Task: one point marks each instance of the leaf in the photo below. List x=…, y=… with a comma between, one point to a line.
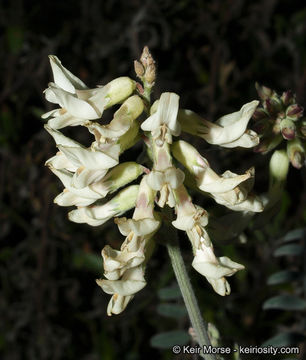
x=89, y=261
x=285, y=302
x=167, y=340
x=172, y=310
x=282, y=277
x=285, y=339
x=294, y=235
x=170, y=293
x=289, y=250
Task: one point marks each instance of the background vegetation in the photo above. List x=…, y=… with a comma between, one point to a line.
x=209, y=52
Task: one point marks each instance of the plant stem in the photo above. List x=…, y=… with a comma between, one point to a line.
x=188, y=295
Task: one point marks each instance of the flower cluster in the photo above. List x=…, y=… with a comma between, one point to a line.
x=280, y=118
x=91, y=175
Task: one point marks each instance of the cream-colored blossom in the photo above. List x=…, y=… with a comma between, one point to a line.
x=193, y=219
x=130, y=110
x=124, y=269
x=229, y=131
x=164, y=182
x=117, y=177
x=98, y=214
x=90, y=165
x=79, y=104
x=163, y=123
x=229, y=189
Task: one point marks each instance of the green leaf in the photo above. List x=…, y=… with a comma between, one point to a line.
x=15, y=38
x=89, y=261
x=172, y=310
x=285, y=302
x=170, y=293
x=285, y=339
x=294, y=235
x=168, y=339
x=289, y=250
x=282, y=277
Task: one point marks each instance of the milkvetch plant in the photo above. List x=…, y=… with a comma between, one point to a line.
x=91, y=175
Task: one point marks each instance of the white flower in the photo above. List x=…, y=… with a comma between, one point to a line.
x=78, y=103
x=164, y=182
x=98, y=214
x=163, y=123
x=193, y=219
x=119, y=176
x=132, y=252
x=229, y=131
x=215, y=269
x=123, y=290
x=90, y=165
x=229, y=189
x=123, y=119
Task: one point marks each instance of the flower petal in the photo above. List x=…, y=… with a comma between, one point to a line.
x=63, y=77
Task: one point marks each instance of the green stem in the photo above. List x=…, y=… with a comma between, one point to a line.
x=188, y=295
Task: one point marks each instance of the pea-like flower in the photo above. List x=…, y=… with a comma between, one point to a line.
x=163, y=123
x=79, y=104
x=193, y=219
x=229, y=131
x=229, y=189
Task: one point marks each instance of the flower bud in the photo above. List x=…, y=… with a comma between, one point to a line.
x=303, y=128
x=150, y=74
x=279, y=165
x=260, y=114
x=294, y=112
x=146, y=57
x=296, y=153
x=139, y=69
x=119, y=89
x=263, y=91
x=268, y=144
x=272, y=106
x=288, y=98
x=288, y=129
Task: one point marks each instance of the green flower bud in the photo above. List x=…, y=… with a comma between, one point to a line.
x=268, y=144
x=296, y=153
x=294, y=112
x=288, y=129
x=288, y=98
x=119, y=89
x=263, y=91
x=279, y=165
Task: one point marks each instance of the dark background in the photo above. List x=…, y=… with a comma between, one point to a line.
x=210, y=53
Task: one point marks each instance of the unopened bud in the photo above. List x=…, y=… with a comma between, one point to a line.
x=120, y=89
x=272, y=106
x=287, y=128
x=150, y=74
x=139, y=69
x=146, y=57
x=146, y=67
x=296, y=153
x=260, y=114
x=288, y=98
x=303, y=128
x=279, y=165
x=263, y=91
x=294, y=112
x=268, y=144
